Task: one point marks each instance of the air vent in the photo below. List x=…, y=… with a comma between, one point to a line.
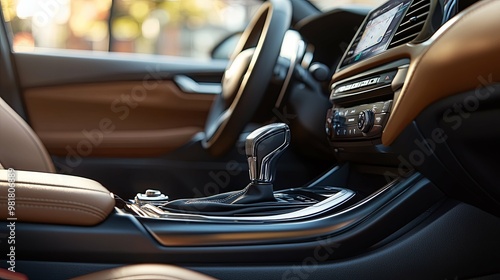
x=412, y=23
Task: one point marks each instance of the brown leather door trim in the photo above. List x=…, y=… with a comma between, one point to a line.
x=119, y=143
x=137, y=118
x=464, y=55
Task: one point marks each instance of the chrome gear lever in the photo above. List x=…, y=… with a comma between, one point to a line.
x=263, y=148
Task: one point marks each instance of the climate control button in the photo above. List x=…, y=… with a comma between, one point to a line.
x=365, y=120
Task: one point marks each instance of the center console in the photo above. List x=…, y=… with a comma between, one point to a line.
x=341, y=200
x=257, y=202
x=362, y=103
x=364, y=92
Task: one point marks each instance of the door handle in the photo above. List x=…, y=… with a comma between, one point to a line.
x=188, y=85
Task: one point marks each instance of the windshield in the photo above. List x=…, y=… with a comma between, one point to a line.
x=326, y=5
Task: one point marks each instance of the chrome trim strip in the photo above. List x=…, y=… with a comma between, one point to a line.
x=334, y=96
x=342, y=196
x=294, y=59
x=308, y=57
x=189, y=85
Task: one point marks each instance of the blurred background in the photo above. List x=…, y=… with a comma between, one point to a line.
x=170, y=27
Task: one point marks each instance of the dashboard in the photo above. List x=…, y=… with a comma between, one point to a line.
x=371, y=71
x=393, y=93
x=364, y=102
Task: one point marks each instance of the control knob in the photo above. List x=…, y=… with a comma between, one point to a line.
x=366, y=120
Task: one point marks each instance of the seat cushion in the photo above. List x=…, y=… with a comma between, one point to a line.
x=146, y=271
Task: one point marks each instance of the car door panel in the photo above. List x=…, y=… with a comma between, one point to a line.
x=113, y=105
x=115, y=119
x=120, y=111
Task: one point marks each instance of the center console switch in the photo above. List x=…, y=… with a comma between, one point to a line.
x=357, y=122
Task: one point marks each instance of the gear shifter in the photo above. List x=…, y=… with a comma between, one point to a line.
x=263, y=148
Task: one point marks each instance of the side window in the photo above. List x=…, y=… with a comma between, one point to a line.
x=184, y=28
x=170, y=27
x=61, y=24
x=327, y=5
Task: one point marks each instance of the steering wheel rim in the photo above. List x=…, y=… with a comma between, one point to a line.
x=247, y=76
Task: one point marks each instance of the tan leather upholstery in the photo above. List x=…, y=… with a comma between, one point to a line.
x=463, y=55
x=146, y=271
x=20, y=148
x=59, y=199
x=7, y=274
x=132, y=272
x=53, y=198
x=93, y=120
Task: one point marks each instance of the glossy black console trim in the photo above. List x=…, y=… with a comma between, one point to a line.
x=122, y=239
x=175, y=232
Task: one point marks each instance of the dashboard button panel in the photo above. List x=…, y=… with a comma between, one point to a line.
x=357, y=123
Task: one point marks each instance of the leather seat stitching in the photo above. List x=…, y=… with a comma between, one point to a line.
x=88, y=206
x=98, y=215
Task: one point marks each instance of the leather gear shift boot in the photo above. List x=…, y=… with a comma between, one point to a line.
x=253, y=198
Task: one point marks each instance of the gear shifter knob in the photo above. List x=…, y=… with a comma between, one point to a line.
x=263, y=148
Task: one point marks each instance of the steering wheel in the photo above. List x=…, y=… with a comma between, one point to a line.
x=247, y=76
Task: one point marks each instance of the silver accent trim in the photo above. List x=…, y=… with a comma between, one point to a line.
x=189, y=85
x=136, y=209
x=356, y=85
x=294, y=57
x=262, y=171
x=308, y=57
x=335, y=200
x=371, y=197
x=335, y=97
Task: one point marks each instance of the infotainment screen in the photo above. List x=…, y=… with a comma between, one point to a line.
x=377, y=31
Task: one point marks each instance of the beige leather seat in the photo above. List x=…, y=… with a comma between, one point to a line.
x=21, y=149
x=146, y=271
x=130, y=272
